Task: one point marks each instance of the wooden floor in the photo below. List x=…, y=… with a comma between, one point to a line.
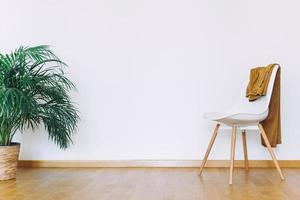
x=149, y=183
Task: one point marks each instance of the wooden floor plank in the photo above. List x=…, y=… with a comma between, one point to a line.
x=149, y=184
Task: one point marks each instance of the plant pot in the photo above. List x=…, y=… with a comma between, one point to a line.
x=9, y=156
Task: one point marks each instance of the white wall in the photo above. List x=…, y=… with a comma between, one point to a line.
x=147, y=70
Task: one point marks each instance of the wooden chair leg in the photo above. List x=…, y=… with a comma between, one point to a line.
x=212, y=140
x=233, y=140
x=265, y=138
x=245, y=149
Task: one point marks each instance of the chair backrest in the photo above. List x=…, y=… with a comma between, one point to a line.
x=259, y=106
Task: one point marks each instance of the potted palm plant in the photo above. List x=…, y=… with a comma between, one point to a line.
x=33, y=90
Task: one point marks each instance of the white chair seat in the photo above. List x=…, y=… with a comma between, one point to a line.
x=238, y=119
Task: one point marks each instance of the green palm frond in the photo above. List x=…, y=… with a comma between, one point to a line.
x=34, y=90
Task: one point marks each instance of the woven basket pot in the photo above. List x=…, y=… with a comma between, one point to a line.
x=9, y=156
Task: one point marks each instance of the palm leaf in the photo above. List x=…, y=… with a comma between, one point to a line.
x=35, y=90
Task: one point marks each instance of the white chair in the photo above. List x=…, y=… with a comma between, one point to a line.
x=242, y=115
